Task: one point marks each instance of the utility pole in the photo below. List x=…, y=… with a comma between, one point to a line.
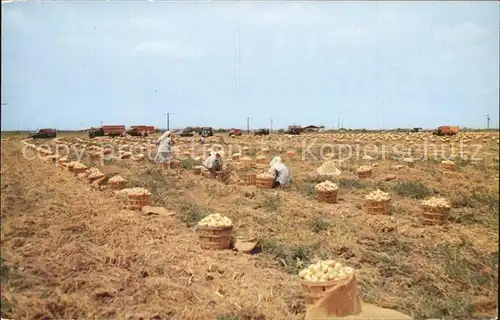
x=167, y=124
x=385, y=115
x=338, y=123
x=248, y=124
x=271, y=130
x=488, y=119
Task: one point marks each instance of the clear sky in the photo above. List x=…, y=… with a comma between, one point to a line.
x=373, y=64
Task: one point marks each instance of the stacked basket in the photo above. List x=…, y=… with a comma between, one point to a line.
x=137, y=198
x=377, y=202
x=364, y=172
x=327, y=192
x=215, y=232
x=435, y=211
x=261, y=160
x=247, y=162
x=264, y=180
x=249, y=178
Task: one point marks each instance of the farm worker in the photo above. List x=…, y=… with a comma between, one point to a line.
x=213, y=163
x=202, y=140
x=164, y=154
x=280, y=171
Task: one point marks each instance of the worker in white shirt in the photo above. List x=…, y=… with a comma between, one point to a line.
x=164, y=153
x=213, y=163
x=280, y=172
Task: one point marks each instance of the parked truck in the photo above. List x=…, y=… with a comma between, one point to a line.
x=44, y=134
x=446, y=131
x=108, y=130
x=294, y=130
x=207, y=132
x=143, y=131
x=235, y=132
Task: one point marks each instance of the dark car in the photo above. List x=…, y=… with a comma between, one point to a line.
x=186, y=133
x=262, y=132
x=44, y=134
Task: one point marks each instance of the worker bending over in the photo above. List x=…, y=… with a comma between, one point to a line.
x=280, y=172
x=164, y=154
x=213, y=163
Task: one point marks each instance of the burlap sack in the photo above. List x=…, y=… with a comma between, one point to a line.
x=342, y=302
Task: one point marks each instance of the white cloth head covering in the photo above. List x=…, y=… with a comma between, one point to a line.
x=164, y=135
x=275, y=160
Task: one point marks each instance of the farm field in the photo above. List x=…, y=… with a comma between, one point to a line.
x=70, y=250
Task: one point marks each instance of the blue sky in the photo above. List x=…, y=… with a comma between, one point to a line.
x=75, y=64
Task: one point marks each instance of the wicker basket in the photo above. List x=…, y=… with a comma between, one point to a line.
x=117, y=185
x=223, y=175
x=248, y=163
x=364, y=174
x=448, y=166
x=377, y=207
x=435, y=215
x=264, y=183
x=409, y=164
x=197, y=170
x=315, y=291
x=327, y=196
x=175, y=164
x=261, y=161
x=94, y=178
x=261, y=166
x=165, y=165
x=135, y=202
x=249, y=178
x=78, y=170
x=217, y=238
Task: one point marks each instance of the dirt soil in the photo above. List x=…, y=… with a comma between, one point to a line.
x=71, y=251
